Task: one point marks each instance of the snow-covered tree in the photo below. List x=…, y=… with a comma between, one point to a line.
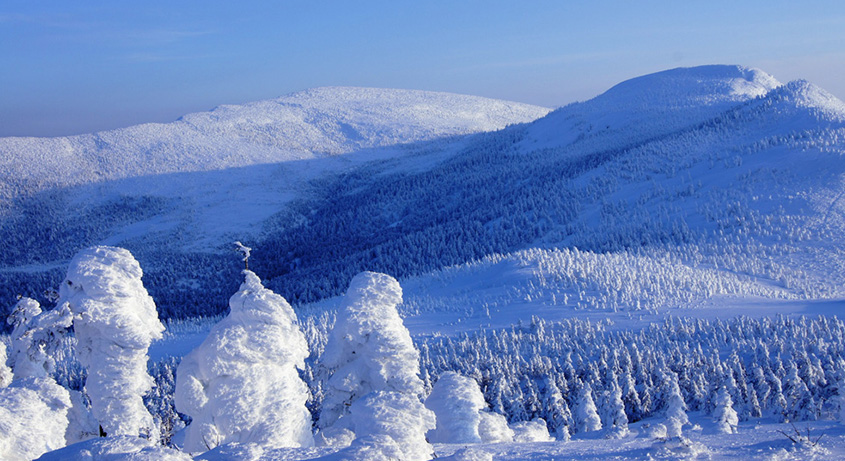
x=5, y=371
x=586, y=414
x=674, y=408
x=558, y=414
x=33, y=414
x=36, y=337
x=535, y=430
x=840, y=398
x=397, y=415
x=374, y=365
x=456, y=402
x=493, y=428
x=241, y=384
x=115, y=321
x=801, y=404
x=613, y=412
x=724, y=413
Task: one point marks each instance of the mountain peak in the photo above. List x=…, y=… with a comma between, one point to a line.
x=655, y=103
x=693, y=86
x=807, y=95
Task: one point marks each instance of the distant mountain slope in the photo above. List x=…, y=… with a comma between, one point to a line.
x=750, y=183
x=717, y=173
x=652, y=105
x=304, y=125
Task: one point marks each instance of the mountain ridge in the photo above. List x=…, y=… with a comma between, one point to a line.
x=326, y=121
x=748, y=183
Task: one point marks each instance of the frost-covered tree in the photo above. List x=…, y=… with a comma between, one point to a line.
x=535, y=430
x=613, y=412
x=840, y=399
x=724, y=413
x=456, y=402
x=375, y=369
x=115, y=321
x=5, y=371
x=36, y=337
x=493, y=428
x=558, y=414
x=369, y=348
x=586, y=414
x=399, y=416
x=674, y=408
x=241, y=384
x=33, y=414
x=801, y=405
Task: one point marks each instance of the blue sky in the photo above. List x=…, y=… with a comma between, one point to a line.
x=78, y=66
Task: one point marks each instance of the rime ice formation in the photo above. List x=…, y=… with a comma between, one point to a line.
x=115, y=321
x=241, y=384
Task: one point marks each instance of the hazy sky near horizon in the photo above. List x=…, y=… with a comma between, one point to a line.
x=71, y=67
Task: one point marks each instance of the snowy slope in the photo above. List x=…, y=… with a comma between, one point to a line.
x=750, y=184
x=308, y=124
x=720, y=169
x=652, y=105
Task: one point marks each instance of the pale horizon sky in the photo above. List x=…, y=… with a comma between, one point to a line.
x=84, y=66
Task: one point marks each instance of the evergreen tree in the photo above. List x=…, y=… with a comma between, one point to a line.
x=241, y=384
x=115, y=322
x=614, y=418
x=586, y=415
x=724, y=414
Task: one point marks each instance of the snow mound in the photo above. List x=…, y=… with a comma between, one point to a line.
x=114, y=448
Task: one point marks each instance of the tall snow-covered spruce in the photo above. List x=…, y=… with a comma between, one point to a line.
x=374, y=390
x=241, y=384
x=115, y=321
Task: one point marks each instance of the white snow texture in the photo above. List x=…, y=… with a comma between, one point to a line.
x=241, y=384
x=369, y=348
x=33, y=418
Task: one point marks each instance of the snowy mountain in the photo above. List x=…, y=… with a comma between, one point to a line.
x=305, y=125
x=194, y=184
x=749, y=185
x=719, y=174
